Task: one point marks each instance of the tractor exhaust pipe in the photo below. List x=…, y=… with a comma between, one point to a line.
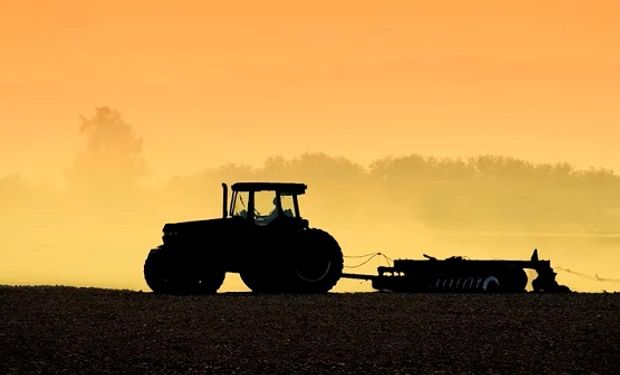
x=224, y=200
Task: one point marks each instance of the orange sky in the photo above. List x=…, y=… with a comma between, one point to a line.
x=205, y=83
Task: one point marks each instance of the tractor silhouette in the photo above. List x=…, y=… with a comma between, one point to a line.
x=263, y=237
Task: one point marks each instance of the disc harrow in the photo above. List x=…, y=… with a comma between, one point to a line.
x=460, y=275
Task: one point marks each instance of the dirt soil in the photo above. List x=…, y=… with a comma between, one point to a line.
x=71, y=330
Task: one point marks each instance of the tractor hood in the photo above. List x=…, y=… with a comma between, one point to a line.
x=192, y=226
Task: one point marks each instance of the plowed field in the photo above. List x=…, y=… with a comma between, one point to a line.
x=81, y=330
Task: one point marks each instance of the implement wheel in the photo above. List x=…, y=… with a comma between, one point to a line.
x=513, y=280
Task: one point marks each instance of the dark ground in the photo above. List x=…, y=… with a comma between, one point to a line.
x=70, y=330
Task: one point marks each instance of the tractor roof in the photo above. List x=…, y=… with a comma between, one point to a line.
x=282, y=187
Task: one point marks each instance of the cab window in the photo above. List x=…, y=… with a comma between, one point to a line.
x=265, y=207
x=240, y=203
x=288, y=206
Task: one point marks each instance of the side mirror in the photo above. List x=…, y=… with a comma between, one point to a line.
x=224, y=200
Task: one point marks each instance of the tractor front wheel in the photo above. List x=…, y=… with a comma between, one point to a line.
x=165, y=273
x=260, y=280
x=206, y=281
x=158, y=272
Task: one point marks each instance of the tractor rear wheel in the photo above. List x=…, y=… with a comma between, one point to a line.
x=315, y=268
x=318, y=264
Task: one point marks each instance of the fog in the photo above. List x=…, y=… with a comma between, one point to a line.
x=98, y=227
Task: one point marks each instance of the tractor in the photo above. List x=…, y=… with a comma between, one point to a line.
x=261, y=235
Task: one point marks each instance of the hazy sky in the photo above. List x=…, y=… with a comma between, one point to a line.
x=205, y=83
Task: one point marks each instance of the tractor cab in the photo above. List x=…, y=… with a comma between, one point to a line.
x=263, y=203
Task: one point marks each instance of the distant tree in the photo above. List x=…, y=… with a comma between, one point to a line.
x=112, y=157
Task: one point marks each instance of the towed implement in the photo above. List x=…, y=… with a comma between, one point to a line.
x=461, y=275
